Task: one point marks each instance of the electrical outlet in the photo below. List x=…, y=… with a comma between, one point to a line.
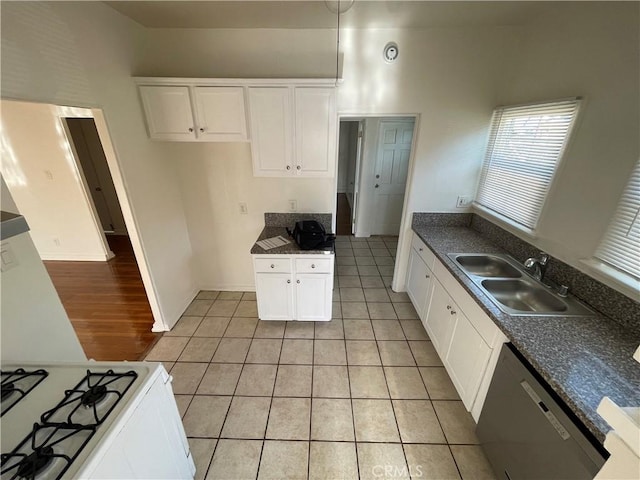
x=293, y=205
x=243, y=208
x=463, y=201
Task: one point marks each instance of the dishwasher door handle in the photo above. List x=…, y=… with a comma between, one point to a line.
x=551, y=418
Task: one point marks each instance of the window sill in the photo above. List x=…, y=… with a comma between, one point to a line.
x=504, y=222
x=624, y=283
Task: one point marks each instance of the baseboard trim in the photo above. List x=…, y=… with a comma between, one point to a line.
x=74, y=257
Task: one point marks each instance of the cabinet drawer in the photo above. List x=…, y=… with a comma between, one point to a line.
x=425, y=252
x=312, y=265
x=272, y=265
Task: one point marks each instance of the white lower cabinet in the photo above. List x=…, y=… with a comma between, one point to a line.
x=274, y=293
x=465, y=338
x=294, y=287
x=419, y=284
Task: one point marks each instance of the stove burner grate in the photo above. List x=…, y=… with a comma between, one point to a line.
x=37, y=452
x=94, y=395
x=16, y=384
x=35, y=463
x=99, y=393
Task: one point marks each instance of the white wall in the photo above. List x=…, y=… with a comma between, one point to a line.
x=6, y=203
x=83, y=54
x=215, y=178
x=589, y=50
x=44, y=181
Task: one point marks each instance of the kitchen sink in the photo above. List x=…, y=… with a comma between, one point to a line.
x=487, y=265
x=513, y=289
x=524, y=296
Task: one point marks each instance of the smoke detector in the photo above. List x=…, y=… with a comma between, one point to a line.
x=390, y=52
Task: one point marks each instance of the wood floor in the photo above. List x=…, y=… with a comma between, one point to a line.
x=106, y=303
x=343, y=216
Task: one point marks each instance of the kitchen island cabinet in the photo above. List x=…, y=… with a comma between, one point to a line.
x=292, y=284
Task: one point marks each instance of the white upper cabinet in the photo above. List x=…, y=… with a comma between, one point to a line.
x=168, y=112
x=220, y=114
x=188, y=113
x=293, y=131
x=271, y=131
x=315, y=131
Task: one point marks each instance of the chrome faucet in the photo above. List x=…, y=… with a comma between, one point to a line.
x=537, y=265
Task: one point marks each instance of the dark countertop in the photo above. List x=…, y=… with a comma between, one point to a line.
x=12, y=224
x=289, y=249
x=582, y=358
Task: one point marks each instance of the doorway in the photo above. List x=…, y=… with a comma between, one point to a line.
x=52, y=154
x=373, y=163
x=93, y=163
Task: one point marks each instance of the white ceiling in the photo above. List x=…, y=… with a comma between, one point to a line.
x=315, y=14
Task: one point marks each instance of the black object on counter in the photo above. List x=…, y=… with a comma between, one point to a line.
x=311, y=235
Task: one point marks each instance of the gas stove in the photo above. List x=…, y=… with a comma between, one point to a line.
x=68, y=420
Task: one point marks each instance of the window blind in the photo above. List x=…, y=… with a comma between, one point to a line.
x=620, y=246
x=525, y=144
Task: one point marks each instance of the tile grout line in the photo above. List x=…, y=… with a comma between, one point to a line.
x=353, y=417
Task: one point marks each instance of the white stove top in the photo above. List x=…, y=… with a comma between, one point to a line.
x=64, y=386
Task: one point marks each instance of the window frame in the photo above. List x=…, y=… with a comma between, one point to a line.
x=571, y=128
x=616, y=272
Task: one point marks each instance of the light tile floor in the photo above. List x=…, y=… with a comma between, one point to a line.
x=362, y=396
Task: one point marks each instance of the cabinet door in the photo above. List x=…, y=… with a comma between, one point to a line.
x=271, y=131
x=274, y=292
x=168, y=112
x=313, y=296
x=466, y=359
x=220, y=114
x=418, y=284
x=315, y=131
x=441, y=319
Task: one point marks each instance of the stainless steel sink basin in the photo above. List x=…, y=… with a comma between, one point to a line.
x=512, y=289
x=484, y=265
x=522, y=296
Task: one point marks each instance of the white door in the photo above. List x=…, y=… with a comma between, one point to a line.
x=356, y=182
x=220, y=114
x=271, y=131
x=316, y=124
x=168, y=112
x=392, y=165
x=313, y=296
x=274, y=293
x=418, y=283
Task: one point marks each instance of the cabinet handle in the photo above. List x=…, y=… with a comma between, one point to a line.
x=453, y=312
x=273, y=266
x=420, y=249
x=448, y=307
x=313, y=265
x=201, y=129
x=190, y=129
x=288, y=167
x=427, y=276
x=298, y=167
x=288, y=281
x=297, y=281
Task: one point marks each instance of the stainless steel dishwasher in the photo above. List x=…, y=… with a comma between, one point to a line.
x=527, y=434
